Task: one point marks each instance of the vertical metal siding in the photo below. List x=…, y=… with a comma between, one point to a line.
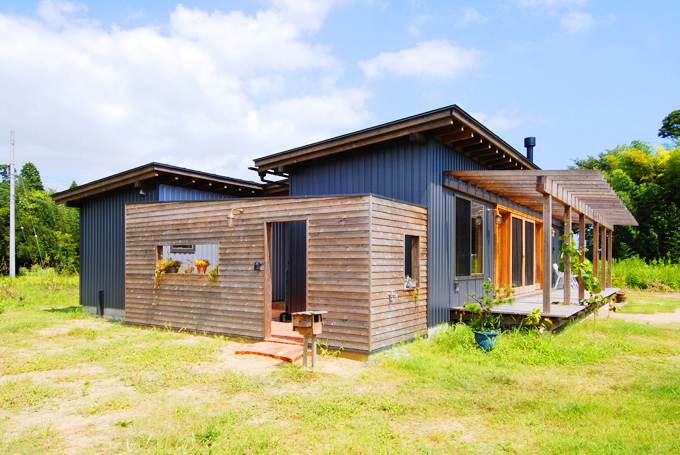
x=297, y=241
x=412, y=173
x=168, y=193
x=396, y=169
x=102, y=246
x=277, y=247
x=441, y=295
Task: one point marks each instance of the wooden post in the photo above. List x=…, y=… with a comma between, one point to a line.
x=609, y=260
x=603, y=259
x=305, y=341
x=582, y=257
x=596, y=247
x=547, y=240
x=567, y=264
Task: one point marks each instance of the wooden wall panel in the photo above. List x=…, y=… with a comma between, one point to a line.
x=354, y=258
x=404, y=318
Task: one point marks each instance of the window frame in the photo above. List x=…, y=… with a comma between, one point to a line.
x=470, y=249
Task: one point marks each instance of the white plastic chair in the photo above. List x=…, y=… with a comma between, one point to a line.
x=559, y=283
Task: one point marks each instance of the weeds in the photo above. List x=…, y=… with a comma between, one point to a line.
x=635, y=273
x=603, y=386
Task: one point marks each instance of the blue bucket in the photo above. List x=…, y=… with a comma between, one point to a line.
x=485, y=340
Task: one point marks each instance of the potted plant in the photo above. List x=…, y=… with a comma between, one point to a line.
x=163, y=267
x=167, y=266
x=410, y=283
x=620, y=296
x=201, y=265
x=486, y=325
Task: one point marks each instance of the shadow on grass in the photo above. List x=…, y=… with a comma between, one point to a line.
x=68, y=309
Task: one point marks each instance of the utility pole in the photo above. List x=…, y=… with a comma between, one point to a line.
x=12, y=248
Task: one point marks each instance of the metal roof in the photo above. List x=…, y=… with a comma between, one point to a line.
x=450, y=125
x=585, y=190
x=166, y=174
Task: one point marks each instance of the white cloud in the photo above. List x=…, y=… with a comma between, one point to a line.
x=212, y=92
x=60, y=14
x=551, y=3
x=503, y=120
x=578, y=22
x=419, y=21
x=471, y=15
x=429, y=59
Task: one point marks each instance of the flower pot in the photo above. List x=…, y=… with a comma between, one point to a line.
x=620, y=297
x=172, y=269
x=201, y=268
x=485, y=340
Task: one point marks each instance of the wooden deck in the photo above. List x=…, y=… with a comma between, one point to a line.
x=526, y=303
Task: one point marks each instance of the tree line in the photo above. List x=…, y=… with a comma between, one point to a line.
x=647, y=179
x=47, y=235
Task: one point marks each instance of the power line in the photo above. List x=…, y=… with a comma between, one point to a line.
x=30, y=214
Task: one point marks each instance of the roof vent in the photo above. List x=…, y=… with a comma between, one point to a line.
x=530, y=143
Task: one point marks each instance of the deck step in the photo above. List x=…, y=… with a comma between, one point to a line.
x=288, y=352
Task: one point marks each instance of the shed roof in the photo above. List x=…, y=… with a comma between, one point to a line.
x=141, y=176
x=451, y=125
x=585, y=190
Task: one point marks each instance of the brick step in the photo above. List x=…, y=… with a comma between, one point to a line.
x=276, y=350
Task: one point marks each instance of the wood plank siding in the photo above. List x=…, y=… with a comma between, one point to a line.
x=355, y=252
x=405, y=317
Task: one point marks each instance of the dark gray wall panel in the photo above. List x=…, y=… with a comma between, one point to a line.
x=102, y=246
x=277, y=246
x=407, y=172
x=397, y=169
x=441, y=293
x=168, y=193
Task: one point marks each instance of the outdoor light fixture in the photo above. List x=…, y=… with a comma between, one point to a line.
x=497, y=217
x=231, y=218
x=552, y=232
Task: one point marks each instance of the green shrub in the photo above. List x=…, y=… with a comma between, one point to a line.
x=635, y=273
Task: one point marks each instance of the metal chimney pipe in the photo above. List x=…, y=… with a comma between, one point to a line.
x=530, y=143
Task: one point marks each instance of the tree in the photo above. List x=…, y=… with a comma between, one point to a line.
x=31, y=176
x=670, y=127
x=647, y=179
x=56, y=227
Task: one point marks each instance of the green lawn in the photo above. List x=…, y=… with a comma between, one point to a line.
x=651, y=303
x=69, y=382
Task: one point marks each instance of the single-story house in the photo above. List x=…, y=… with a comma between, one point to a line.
x=387, y=229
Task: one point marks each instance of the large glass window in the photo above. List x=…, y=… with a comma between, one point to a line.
x=522, y=252
x=528, y=253
x=469, y=237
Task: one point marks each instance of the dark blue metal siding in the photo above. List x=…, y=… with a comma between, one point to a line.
x=102, y=246
x=168, y=193
x=441, y=294
x=412, y=173
x=396, y=169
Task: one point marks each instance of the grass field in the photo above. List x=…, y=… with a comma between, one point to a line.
x=70, y=383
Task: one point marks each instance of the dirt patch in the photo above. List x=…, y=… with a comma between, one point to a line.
x=65, y=327
x=658, y=318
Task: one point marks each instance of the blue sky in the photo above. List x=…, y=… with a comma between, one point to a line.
x=98, y=87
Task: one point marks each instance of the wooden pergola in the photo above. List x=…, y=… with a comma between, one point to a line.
x=573, y=196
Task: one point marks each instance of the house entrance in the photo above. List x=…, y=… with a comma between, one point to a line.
x=286, y=275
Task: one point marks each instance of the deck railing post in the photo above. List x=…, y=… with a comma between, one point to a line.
x=567, y=264
x=544, y=185
x=603, y=259
x=609, y=254
x=582, y=257
x=596, y=247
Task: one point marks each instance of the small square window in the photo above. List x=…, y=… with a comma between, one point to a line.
x=183, y=249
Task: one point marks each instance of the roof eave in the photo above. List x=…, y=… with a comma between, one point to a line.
x=428, y=121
